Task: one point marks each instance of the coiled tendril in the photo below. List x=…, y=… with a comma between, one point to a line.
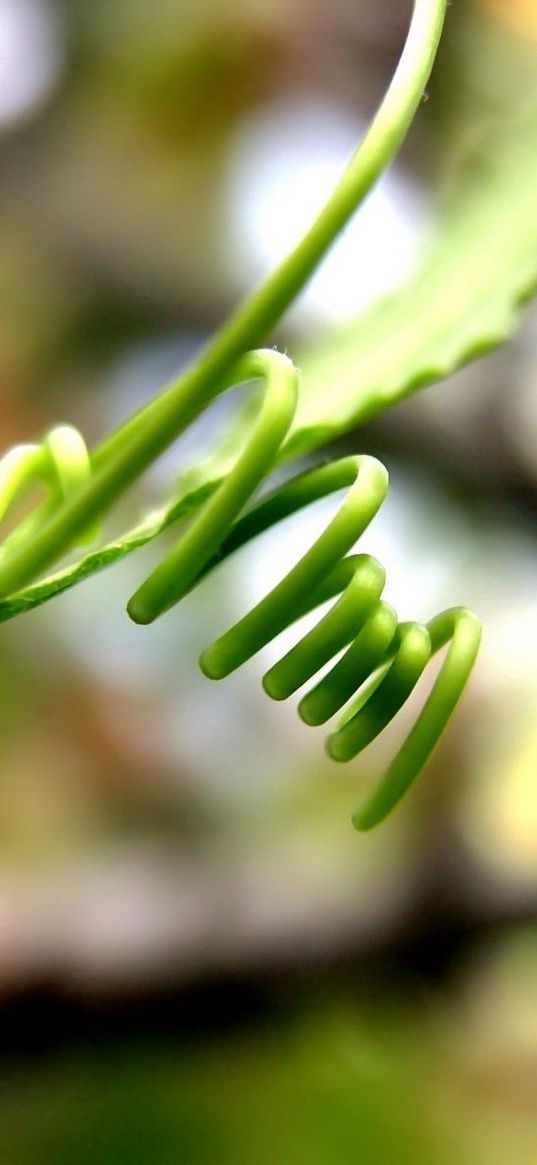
x=60, y=463
x=383, y=659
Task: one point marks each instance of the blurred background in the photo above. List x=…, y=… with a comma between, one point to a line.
x=200, y=961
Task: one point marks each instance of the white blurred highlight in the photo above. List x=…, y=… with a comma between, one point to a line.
x=284, y=164
x=30, y=57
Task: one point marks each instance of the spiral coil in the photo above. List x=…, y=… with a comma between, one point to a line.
x=382, y=659
x=61, y=464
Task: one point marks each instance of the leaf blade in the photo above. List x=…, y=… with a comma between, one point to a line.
x=464, y=299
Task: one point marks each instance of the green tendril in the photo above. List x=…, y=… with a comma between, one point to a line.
x=126, y=454
x=382, y=659
x=61, y=463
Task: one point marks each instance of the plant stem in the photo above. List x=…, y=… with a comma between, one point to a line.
x=249, y=326
x=125, y=454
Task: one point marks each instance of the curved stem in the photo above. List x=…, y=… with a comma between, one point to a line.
x=255, y=318
x=124, y=455
x=182, y=566
x=462, y=629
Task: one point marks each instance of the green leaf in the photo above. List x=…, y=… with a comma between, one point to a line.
x=68, y=576
x=463, y=300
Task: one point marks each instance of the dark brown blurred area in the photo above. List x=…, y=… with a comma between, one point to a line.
x=200, y=961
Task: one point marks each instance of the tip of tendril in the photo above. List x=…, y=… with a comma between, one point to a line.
x=210, y=666
x=364, y=821
x=308, y=714
x=336, y=749
x=138, y=612
x=273, y=688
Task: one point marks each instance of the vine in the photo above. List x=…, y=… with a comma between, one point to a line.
x=383, y=659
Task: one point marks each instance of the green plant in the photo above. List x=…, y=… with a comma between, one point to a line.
x=395, y=353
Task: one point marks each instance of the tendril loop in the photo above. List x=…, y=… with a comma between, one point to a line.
x=383, y=659
x=379, y=660
x=60, y=464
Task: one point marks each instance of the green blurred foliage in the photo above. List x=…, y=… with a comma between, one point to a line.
x=325, y=1092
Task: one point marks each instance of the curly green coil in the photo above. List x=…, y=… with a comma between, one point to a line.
x=383, y=660
x=61, y=464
